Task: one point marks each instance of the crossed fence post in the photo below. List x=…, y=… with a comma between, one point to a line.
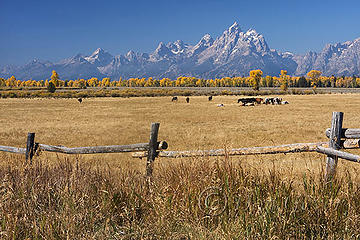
x=153, y=146
x=334, y=143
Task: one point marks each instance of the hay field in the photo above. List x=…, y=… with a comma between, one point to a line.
x=197, y=125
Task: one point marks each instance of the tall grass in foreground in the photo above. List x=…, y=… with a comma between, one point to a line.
x=70, y=199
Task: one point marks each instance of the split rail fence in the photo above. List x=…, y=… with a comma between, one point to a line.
x=339, y=138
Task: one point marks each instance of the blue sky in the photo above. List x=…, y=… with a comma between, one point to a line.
x=53, y=30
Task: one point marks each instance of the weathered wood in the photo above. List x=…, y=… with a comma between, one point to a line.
x=334, y=143
x=152, y=148
x=29, y=153
x=88, y=150
x=350, y=133
x=288, y=148
x=12, y=149
x=339, y=154
x=350, y=143
x=96, y=149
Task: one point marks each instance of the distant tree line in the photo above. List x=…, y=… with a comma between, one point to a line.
x=255, y=80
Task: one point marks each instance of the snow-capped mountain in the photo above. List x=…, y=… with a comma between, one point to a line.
x=234, y=53
x=99, y=58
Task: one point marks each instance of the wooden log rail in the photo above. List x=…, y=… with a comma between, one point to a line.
x=340, y=154
x=12, y=149
x=89, y=150
x=349, y=133
x=288, y=148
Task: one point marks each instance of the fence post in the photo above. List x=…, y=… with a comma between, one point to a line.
x=30, y=147
x=335, y=142
x=152, y=148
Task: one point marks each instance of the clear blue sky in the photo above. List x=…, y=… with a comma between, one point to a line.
x=53, y=30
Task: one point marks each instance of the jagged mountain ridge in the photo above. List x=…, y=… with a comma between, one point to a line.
x=234, y=53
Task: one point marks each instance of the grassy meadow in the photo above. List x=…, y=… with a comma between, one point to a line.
x=105, y=196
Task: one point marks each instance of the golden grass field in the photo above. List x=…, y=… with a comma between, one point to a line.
x=197, y=125
x=106, y=196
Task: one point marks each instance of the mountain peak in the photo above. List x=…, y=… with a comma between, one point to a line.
x=179, y=42
x=207, y=38
x=131, y=55
x=162, y=50
x=234, y=28
x=161, y=45
x=99, y=57
x=98, y=50
x=251, y=32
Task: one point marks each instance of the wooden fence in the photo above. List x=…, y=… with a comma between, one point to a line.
x=339, y=138
x=152, y=147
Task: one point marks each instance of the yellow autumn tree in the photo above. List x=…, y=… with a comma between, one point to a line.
x=2, y=82
x=55, y=78
x=105, y=82
x=255, y=77
x=10, y=82
x=284, y=80
x=314, y=75
x=92, y=82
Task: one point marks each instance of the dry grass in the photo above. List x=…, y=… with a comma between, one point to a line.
x=70, y=199
x=85, y=184
x=198, y=125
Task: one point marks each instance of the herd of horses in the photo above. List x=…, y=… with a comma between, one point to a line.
x=253, y=101
x=243, y=101
x=246, y=101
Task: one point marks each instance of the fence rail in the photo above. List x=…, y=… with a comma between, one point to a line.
x=288, y=148
x=349, y=133
x=13, y=149
x=87, y=150
x=339, y=138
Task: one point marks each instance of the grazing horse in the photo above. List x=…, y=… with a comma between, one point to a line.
x=273, y=101
x=268, y=101
x=174, y=99
x=277, y=100
x=258, y=100
x=245, y=101
x=187, y=99
x=80, y=100
x=210, y=98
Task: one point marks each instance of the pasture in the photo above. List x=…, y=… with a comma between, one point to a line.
x=199, y=124
x=104, y=196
